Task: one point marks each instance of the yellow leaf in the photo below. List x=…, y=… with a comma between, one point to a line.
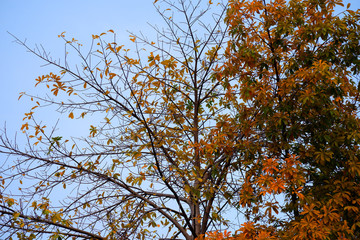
x=25, y=126
x=112, y=75
x=16, y=215
x=71, y=115
x=20, y=95
x=110, y=141
x=62, y=34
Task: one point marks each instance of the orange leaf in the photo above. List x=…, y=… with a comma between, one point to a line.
x=132, y=38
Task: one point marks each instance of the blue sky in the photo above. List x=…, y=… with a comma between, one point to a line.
x=40, y=22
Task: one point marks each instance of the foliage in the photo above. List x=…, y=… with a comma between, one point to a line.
x=160, y=158
x=257, y=116
x=296, y=66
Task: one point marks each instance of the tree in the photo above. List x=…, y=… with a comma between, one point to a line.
x=296, y=65
x=159, y=159
x=262, y=122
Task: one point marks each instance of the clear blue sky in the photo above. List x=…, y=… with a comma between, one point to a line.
x=40, y=21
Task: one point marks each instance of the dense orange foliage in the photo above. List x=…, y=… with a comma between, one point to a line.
x=296, y=67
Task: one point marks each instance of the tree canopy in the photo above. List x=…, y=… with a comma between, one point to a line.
x=239, y=116
x=296, y=66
